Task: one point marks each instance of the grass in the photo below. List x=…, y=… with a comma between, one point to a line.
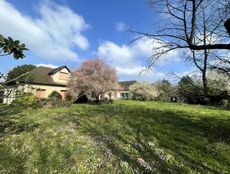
x=124, y=137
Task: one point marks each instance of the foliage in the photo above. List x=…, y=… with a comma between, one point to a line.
x=94, y=78
x=82, y=98
x=189, y=90
x=69, y=96
x=218, y=87
x=218, y=83
x=19, y=70
x=124, y=137
x=55, y=96
x=166, y=90
x=143, y=91
x=107, y=99
x=26, y=100
x=52, y=103
x=9, y=46
x=225, y=103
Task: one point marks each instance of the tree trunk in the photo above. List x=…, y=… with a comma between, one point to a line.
x=98, y=97
x=204, y=72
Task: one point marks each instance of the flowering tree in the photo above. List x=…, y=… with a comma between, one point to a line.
x=143, y=91
x=219, y=84
x=94, y=78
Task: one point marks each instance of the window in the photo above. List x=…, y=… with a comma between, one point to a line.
x=124, y=95
x=40, y=93
x=63, y=93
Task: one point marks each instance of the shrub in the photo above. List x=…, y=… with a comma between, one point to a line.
x=50, y=103
x=218, y=88
x=55, y=96
x=69, y=97
x=225, y=103
x=26, y=100
x=143, y=91
x=82, y=98
x=107, y=100
x=190, y=90
x=166, y=91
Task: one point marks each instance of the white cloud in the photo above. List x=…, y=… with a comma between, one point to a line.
x=115, y=54
x=53, y=34
x=211, y=38
x=125, y=54
x=151, y=76
x=130, y=60
x=47, y=65
x=129, y=71
x=120, y=26
x=140, y=71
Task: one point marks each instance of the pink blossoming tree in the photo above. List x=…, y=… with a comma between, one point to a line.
x=93, y=78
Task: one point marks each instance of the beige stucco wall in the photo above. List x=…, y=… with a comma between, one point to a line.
x=48, y=89
x=11, y=90
x=117, y=94
x=114, y=95
x=56, y=76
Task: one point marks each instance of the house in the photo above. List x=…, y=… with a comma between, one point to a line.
x=41, y=81
x=122, y=92
x=124, y=89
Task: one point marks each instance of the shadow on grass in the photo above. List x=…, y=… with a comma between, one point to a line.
x=7, y=110
x=177, y=133
x=9, y=125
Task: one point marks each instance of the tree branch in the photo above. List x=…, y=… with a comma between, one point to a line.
x=209, y=46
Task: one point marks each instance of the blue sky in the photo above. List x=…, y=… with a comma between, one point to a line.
x=65, y=32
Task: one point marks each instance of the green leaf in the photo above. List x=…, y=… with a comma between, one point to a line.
x=1, y=38
x=10, y=39
x=9, y=46
x=16, y=42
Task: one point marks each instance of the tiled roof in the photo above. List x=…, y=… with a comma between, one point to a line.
x=126, y=84
x=53, y=71
x=39, y=75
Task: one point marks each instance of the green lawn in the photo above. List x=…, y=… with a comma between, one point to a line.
x=124, y=137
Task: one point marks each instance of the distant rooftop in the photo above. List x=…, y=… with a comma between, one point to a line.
x=126, y=84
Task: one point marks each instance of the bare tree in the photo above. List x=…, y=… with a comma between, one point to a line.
x=196, y=28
